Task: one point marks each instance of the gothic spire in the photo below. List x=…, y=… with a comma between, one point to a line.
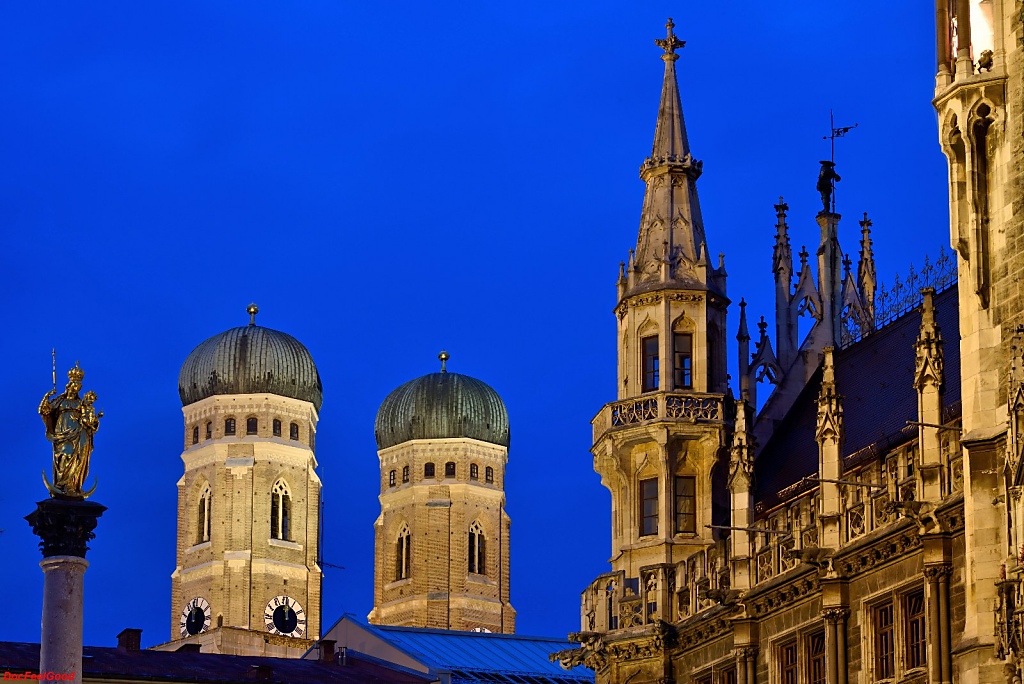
x=671, y=228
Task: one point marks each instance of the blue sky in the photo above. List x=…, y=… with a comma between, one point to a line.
x=386, y=180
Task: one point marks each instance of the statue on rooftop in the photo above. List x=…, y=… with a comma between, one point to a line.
x=827, y=179
x=71, y=421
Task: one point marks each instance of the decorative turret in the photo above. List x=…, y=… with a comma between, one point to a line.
x=829, y=435
x=928, y=381
x=782, y=267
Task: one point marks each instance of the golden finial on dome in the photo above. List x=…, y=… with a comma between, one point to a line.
x=252, y=310
x=443, y=357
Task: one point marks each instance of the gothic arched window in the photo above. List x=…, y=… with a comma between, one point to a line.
x=229, y=426
x=405, y=474
x=203, y=515
x=195, y=434
x=280, y=511
x=403, y=554
x=477, y=550
x=293, y=431
x=252, y=425
x=277, y=427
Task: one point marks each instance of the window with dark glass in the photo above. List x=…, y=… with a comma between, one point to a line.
x=816, y=657
x=477, y=557
x=428, y=470
x=405, y=474
x=613, y=618
x=293, y=431
x=787, y=663
x=728, y=676
x=649, y=346
x=403, y=554
x=706, y=679
x=449, y=469
x=195, y=434
x=686, y=504
x=474, y=471
x=229, y=426
x=280, y=511
x=648, y=507
x=682, y=353
x=251, y=426
x=917, y=649
x=885, y=648
x=209, y=429
x=489, y=475
x=392, y=478
x=277, y=427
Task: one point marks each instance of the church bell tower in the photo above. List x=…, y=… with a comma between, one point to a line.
x=248, y=578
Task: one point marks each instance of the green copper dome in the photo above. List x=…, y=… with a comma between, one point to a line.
x=439, y=406
x=250, y=360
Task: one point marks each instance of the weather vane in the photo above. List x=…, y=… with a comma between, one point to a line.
x=828, y=177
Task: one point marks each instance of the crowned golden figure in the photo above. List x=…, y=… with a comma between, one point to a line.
x=71, y=421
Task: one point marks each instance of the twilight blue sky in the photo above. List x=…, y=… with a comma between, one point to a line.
x=386, y=179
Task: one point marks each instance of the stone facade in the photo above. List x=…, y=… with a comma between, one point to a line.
x=429, y=526
x=867, y=524
x=248, y=523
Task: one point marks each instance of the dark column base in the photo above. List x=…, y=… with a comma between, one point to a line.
x=65, y=526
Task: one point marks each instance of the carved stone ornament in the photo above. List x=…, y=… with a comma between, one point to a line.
x=879, y=553
x=783, y=597
x=935, y=573
x=65, y=527
x=835, y=615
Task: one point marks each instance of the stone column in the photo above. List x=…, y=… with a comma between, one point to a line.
x=964, y=65
x=945, y=647
x=942, y=37
x=835, y=644
x=841, y=646
x=741, y=666
x=64, y=527
x=931, y=573
x=751, y=655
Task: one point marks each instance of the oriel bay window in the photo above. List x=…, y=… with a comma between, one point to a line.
x=648, y=507
x=682, y=353
x=686, y=504
x=652, y=367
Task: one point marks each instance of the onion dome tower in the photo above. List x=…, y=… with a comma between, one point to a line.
x=248, y=577
x=442, y=537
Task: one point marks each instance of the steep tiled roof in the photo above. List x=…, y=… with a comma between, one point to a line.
x=875, y=378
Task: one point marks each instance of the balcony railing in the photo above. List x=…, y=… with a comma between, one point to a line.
x=692, y=407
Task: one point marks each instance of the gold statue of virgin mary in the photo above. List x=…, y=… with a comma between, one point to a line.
x=71, y=421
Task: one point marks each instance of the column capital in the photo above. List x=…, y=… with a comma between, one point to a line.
x=835, y=615
x=938, y=572
x=65, y=527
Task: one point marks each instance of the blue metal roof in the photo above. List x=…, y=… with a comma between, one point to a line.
x=481, y=657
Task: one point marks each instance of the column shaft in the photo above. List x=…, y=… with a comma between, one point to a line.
x=841, y=650
x=741, y=667
x=60, y=643
x=934, y=630
x=831, y=652
x=944, y=642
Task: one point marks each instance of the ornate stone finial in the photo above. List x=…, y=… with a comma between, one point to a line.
x=847, y=265
x=803, y=257
x=252, y=310
x=670, y=43
x=443, y=358
x=781, y=208
x=71, y=421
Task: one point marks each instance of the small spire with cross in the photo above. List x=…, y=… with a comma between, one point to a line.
x=443, y=358
x=670, y=43
x=252, y=310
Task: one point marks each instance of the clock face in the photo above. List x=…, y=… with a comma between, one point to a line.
x=285, y=616
x=195, y=618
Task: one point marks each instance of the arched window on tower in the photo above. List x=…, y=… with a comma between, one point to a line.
x=293, y=431
x=252, y=425
x=428, y=470
x=195, y=434
x=280, y=511
x=209, y=429
x=277, y=427
x=449, y=469
x=229, y=426
x=474, y=471
x=403, y=554
x=489, y=475
x=392, y=478
x=405, y=474
x=203, y=515
x=477, y=550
